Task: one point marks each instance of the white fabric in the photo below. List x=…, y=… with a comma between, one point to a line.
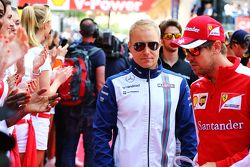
x=22, y=135
x=5, y=92
x=193, y=44
x=28, y=62
x=133, y=129
x=3, y=127
x=41, y=126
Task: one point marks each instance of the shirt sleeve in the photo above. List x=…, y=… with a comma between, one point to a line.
x=239, y=159
x=98, y=59
x=185, y=125
x=104, y=123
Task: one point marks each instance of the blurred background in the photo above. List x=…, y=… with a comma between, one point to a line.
x=117, y=16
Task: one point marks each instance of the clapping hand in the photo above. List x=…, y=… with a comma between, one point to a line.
x=62, y=51
x=39, y=103
x=11, y=51
x=39, y=60
x=29, y=86
x=12, y=81
x=17, y=101
x=62, y=74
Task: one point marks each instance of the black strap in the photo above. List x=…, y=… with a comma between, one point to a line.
x=76, y=80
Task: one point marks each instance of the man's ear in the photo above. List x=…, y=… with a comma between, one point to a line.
x=129, y=45
x=161, y=42
x=217, y=46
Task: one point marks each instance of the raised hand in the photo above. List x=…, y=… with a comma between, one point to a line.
x=12, y=81
x=39, y=103
x=39, y=60
x=62, y=51
x=17, y=101
x=29, y=86
x=32, y=86
x=20, y=67
x=11, y=51
x=62, y=74
x=53, y=53
x=59, y=53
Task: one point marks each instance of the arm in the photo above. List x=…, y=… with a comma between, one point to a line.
x=185, y=125
x=16, y=102
x=24, y=104
x=44, y=81
x=104, y=122
x=239, y=158
x=100, y=77
x=61, y=75
x=59, y=56
x=11, y=51
x=13, y=120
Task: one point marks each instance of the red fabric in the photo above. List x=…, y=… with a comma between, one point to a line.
x=14, y=154
x=222, y=115
x=41, y=115
x=30, y=154
x=1, y=88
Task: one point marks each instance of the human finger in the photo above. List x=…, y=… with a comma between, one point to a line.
x=41, y=91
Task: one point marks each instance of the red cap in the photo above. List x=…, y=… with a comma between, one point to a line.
x=199, y=30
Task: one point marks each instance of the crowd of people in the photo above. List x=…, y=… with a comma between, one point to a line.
x=183, y=95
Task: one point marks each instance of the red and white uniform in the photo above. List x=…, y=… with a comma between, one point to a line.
x=222, y=112
x=3, y=94
x=40, y=121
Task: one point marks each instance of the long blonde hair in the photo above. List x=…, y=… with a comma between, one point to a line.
x=33, y=18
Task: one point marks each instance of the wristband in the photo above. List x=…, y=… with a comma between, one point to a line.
x=36, y=74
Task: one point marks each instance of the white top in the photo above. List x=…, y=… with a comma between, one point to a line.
x=28, y=62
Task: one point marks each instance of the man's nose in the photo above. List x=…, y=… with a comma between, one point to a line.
x=147, y=49
x=189, y=56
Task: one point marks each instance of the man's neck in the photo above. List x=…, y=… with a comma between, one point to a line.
x=221, y=62
x=88, y=40
x=170, y=57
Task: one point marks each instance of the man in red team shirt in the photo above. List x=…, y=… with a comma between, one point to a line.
x=220, y=97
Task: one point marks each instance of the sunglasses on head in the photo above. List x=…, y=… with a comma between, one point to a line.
x=140, y=46
x=171, y=35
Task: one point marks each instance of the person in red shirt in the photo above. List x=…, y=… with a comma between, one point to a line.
x=220, y=97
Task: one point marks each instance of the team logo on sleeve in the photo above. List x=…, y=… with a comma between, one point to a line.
x=200, y=100
x=230, y=101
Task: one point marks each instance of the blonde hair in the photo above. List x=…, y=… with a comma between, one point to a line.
x=33, y=19
x=144, y=24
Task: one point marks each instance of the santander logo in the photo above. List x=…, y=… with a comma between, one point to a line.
x=107, y=5
x=192, y=29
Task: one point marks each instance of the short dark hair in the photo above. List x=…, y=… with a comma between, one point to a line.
x=167, y=23
x=210, y=43
x=89, y=28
